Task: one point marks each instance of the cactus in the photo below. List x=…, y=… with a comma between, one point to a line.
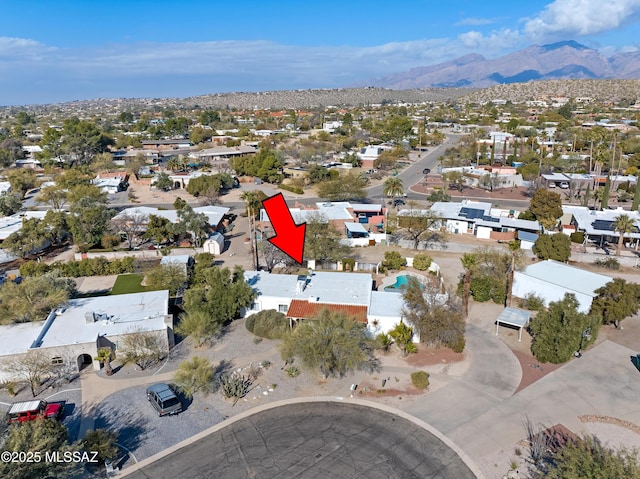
x=234, y=386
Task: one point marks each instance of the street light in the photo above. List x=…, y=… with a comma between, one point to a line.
x=585, y=334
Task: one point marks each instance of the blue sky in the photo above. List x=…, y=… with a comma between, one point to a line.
x=64, y=50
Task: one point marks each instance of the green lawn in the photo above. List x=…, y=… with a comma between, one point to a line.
x=128, y=283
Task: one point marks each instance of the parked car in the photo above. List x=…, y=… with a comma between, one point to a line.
x=552, y=184
x=164, y=399
x=426, y=171
x=30, y=410
x=564, y=185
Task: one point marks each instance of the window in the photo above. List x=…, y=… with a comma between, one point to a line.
x=57, y=361
x=283, y=308
x=255, y=307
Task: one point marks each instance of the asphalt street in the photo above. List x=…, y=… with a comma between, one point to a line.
x=314, y=440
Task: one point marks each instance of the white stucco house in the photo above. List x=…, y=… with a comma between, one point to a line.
x=551, y=280
x=71, y=335
x=303, y=296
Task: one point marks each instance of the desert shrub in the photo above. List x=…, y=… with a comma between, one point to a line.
x=292, y=371
x=293, y=189
x=577, y=237
x=421, y=262
x=608, y=263
x=382, y=341
x=234, y=386
x=458, y=344
x=420, y=379
x=393, y=260
x=485, y=288
x=532, y=302
x=269, y=324
x=348, y=264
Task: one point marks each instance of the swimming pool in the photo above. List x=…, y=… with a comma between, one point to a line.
x=400, y=285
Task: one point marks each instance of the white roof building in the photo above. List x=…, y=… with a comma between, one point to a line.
x=75, y=332
x=551, y=280
x=214, y=214
x=13, y=223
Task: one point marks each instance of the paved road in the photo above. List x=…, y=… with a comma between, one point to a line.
x=314, y=440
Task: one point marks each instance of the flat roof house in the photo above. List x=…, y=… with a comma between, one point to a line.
x=71, y=335
x=551, y=280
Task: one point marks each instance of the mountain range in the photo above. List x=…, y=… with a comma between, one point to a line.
x=556, y=61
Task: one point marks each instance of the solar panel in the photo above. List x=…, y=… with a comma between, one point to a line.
x=491, y=218
x=606, y=225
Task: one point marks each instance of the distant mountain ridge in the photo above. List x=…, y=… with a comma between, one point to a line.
x=556, y=61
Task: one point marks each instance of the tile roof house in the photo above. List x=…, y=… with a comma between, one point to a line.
x=304, y=296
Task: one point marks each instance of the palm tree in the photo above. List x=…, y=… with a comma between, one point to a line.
x=104, y=356
x=469, y=263
x=252, y=204
x=623, y=224
x=393, y=186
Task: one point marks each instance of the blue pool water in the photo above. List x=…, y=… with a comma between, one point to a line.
x=399, y=285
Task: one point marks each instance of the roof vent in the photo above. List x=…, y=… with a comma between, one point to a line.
x=313, y=299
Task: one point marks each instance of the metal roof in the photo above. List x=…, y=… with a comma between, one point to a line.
x=567, y=277
x=355, y=228
x=514, y=317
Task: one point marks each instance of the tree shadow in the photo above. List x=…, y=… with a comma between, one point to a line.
x=130, y=428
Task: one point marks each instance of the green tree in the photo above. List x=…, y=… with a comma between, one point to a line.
x=195, y=224
x=332, y=342
x=34, y=297
x=222, y=295
x=54, y=195
x=556, y=247
x=636, y=198
x=393, y=186
x=199, y=325
x=166, y=276
x=588, y=458
x=322, y=241
x=469, y=263
x=547, y=208
x=163, y=182
x=39, y=435
x=21, y=180
x=159, y=229
x=422, y=261
x=615, y=301
x=102, y=441
x=89, y=216
x=345, y=187
x=193, y=375
x=437, y=317
x=10, y=203
x=83, y=140
x=454, y=178
x=557, y=332
x=623, y=224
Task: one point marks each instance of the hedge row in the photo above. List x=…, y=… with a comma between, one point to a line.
x=87, y=267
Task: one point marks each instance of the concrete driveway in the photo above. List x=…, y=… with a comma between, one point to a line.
x=493, y=376
x=314, y=440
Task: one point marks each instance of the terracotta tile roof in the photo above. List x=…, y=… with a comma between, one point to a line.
x=301, y=308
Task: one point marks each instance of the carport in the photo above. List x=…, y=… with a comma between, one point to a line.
x=513, y=317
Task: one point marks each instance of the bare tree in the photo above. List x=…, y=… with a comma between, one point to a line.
x=274, y=257
x=143, y=348
x=34, y=367
x=131, y=225
x=414, y=224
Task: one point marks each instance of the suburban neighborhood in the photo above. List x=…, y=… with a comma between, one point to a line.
x=468, y=265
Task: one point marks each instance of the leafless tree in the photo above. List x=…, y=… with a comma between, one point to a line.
x=131, y=225
x=34, y=367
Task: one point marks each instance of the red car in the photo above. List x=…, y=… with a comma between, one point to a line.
x=29, y=410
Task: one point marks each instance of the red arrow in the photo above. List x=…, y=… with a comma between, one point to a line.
x=289, y=237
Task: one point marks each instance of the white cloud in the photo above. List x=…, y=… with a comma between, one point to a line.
x=496, y=42
x=568, y=18
x=474, y=21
